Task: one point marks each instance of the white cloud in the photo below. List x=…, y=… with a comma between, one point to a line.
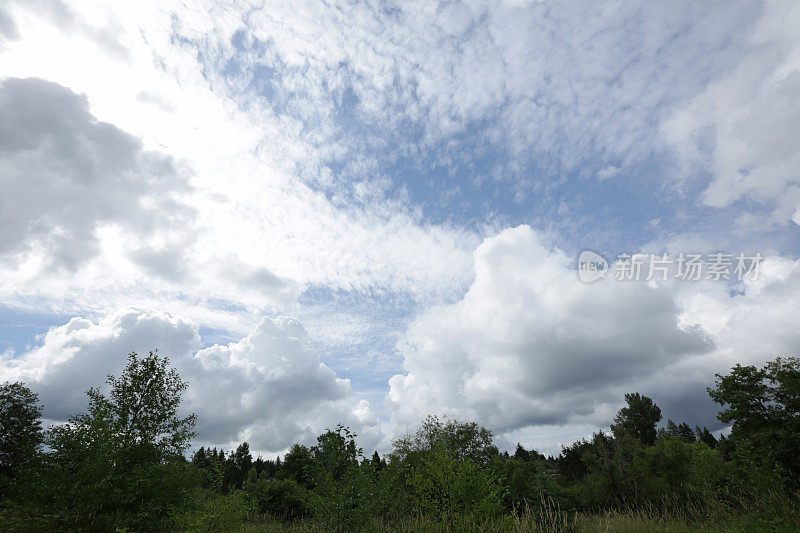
x=260, y=127
x=87, y=215
x=531, y=346
x=257, y=218
x=748, y=120
x=64, y=174
x=607, y=172
x=268, y=388
x=536, y=80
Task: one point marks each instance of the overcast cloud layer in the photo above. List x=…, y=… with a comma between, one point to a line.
x=366, y=212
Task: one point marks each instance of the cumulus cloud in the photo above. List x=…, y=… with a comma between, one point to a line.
x=268, y=388
x=530, y=344
x=65, y=174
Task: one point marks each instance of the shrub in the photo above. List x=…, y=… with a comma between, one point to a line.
x=284, y=498
x=441, y=484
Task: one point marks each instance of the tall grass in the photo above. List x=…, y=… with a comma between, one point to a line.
x=769, y=512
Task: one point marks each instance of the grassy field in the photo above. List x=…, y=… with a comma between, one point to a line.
x=769, y=513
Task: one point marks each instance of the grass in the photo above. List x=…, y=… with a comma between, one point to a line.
x=769, y=513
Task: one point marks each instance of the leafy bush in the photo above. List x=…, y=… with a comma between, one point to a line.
x=441, y=485
x=284, y=499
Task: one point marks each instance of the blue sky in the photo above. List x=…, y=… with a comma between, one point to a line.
x=381, y=173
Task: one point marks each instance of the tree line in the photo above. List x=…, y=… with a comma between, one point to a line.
x=123, y=464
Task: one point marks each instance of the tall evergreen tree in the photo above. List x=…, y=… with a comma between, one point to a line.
x=521, y=453
x=704, y=435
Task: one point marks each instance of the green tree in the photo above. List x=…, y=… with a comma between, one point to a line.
x=521, y=454
x=445, y=469
x=299, y=465
x=143, y=405
x=682, y=431
x=763, y=404
x=464, y=440
x=676, y=468
x=571, y=465
x=341, y=482
x=284, y=499
x=20, y=431
x=444, y=485
x=336, y=452
x=237, y=466
x=121, y=462
x=377, y=462
x=705, y=436
x=758, y=398
x=638, y=418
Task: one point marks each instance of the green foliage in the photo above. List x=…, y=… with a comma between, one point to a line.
x=299, y=465
x=214, y=512
x=675, y=468
x=443, y=484
x=530, y=478
x=622, y=471
x=682, y=431
x=463, y=440
x=444, y=469
x=20, y=433
x=284, y=499
x=336, y=453
x=638, y=418
x=764, y=406
x=143, y=405
x=210, y=467
x=236, y=468
x=119, y=464
x=705, y=436
x=341, y=482
x=377, y=462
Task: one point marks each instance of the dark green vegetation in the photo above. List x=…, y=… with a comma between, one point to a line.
x=121, y=466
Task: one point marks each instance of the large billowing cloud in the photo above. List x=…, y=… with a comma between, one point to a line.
x=530, y=345
x=85, y=208
x=269, y=388
x=64, y=174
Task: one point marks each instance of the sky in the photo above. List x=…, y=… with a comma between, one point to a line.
x=367, y=212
